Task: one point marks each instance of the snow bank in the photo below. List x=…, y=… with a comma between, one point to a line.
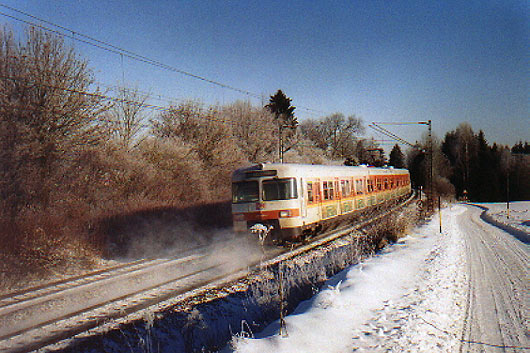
x=407, y=298
x=518, y=222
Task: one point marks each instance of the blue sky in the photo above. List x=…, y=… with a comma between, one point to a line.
x=448, y=61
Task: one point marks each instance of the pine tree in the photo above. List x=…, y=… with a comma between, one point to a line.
x=397, y=158
x=280, y=106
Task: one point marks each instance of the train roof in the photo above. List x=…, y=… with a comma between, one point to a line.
x=310, y=170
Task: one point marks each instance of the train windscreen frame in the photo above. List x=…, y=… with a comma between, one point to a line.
x=245, y=191
x=279, y=189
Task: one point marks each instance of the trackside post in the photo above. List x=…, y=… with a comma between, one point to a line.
x=440, y=211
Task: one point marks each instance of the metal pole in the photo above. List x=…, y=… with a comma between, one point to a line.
x=440, y=212
x=508, y=190
x=280, y=143
x=430, y=200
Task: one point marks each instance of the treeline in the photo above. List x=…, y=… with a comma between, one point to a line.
x=72, y=154
x=483, y=171
x=467, y=166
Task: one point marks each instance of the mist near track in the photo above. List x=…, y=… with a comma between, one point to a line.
x=163, y=238
x=234, y=252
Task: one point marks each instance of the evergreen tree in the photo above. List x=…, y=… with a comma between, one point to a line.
x=461, y=148
x=520, y=148
x=280, y=106
x=370, y=153
x=484, y=177
x=397, y=158
x=416, y=161
x=484, y=171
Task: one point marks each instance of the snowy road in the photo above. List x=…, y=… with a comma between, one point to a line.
x=497, y=302
x=465, y=290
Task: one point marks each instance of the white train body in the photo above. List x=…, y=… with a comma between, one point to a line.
x=298, y=199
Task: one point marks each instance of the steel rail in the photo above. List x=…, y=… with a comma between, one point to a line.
x=96, y=320
x=48, y=288
x=173, y=289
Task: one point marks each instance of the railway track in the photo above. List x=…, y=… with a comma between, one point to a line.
x=42, y=315
x=48, y=288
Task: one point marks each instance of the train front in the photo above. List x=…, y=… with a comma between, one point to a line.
x=265, y=198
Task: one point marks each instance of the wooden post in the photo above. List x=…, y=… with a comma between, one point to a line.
x=508, y=192
x=440, y=212
x=283, y=328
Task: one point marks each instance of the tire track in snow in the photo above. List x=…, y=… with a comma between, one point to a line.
x=497, y=270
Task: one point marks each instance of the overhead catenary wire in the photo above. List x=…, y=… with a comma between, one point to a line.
x=136, y=103
x=129, y=89
x=400, y=122
x=80, y=37
x=119, y=51
x=110, y=98
x=387, y=133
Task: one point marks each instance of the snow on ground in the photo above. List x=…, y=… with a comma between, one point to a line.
x=408, y=298
x=519, y=214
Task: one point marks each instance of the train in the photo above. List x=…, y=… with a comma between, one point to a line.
x=296, y=201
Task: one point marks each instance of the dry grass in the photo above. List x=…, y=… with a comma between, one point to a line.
x=391, y=228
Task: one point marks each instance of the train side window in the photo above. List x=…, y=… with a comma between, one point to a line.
x=327, y=187
x=318, y=193
x=359, y=186
x=345, y=187
x=279, y=189
x=310, y=198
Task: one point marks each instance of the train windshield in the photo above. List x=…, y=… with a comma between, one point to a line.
x=245, y=191
x=279, y=189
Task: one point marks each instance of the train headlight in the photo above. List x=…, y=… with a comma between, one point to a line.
x=285, y=213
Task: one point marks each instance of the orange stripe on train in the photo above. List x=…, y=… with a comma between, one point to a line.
x=264, y=215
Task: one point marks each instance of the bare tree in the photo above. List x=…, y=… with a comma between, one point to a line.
x=335, y=134
x=210, y=137
x=253, y=130
x=45, y=116
x=127, y=115
x=367, y=151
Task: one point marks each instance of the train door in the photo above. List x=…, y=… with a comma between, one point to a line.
x=318, y=195
x=338, y=196
x=303, y=198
